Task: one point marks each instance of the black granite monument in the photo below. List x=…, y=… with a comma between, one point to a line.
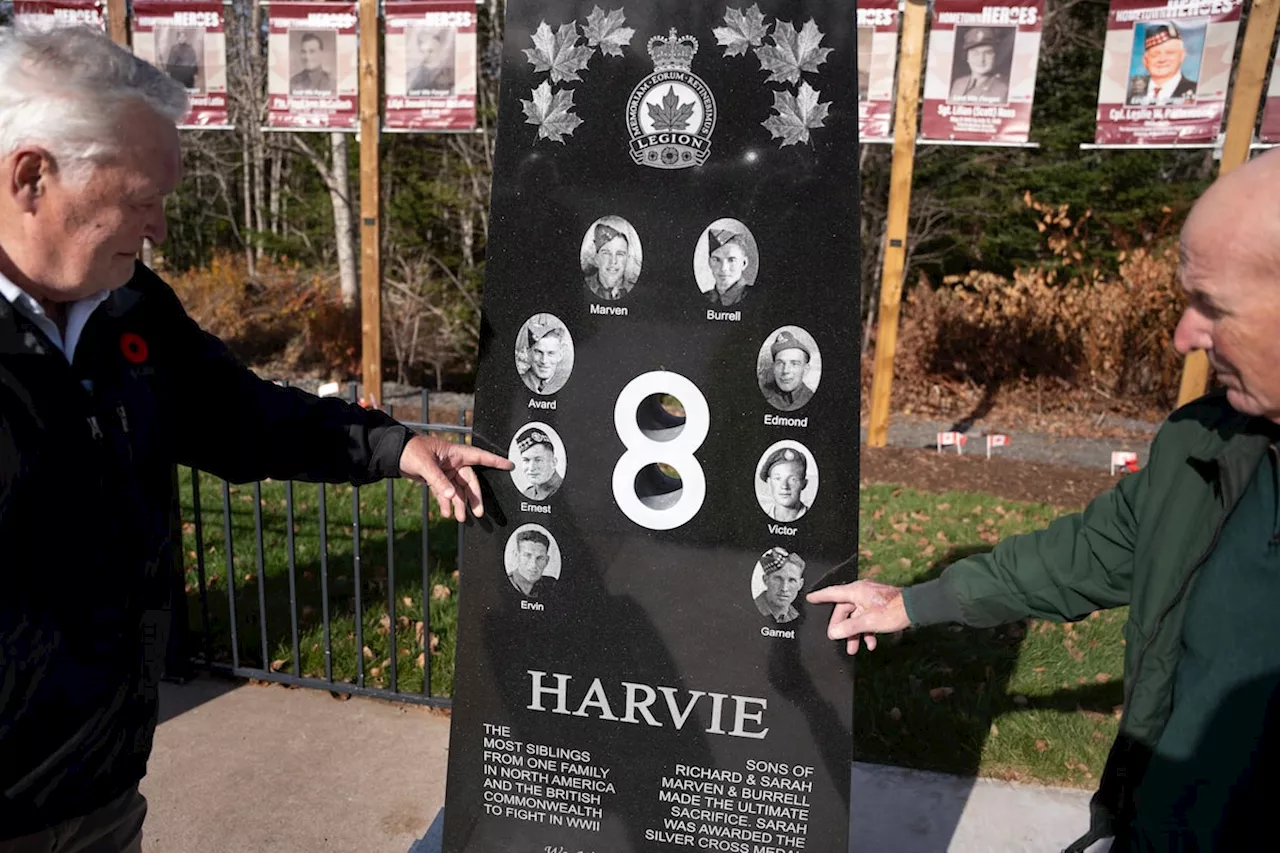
x=670, y=356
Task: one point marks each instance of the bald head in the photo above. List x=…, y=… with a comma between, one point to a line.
x=1229, y=271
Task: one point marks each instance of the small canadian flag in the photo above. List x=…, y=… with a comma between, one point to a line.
x=952, y=439
x=1126, y=459
x=996, y=441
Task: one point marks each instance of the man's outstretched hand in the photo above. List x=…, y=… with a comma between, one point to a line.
x=863, y=609
x=446, y=468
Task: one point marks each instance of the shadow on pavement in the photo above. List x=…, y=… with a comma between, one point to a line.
x=178, y=699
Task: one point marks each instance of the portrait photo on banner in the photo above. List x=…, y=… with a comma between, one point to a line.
x=180, y=53
x=789, y=368
x=726, y=262
x=430, y=60
x=786, y=481
x=866, y=36
x=1164, y=67
x=312, y=61
x=611, y=258
x=980, y=64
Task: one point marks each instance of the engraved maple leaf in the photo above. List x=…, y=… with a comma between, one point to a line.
x=558, y=53
x=796, y=114
x=552, y=112
x=606, y=31
x=672, y=115
x=741, y=30
x=792, y=52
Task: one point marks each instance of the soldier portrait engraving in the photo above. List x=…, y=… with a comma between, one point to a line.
x=538, y=454
x=776, y=584
x=726, y=262
x=611, y=258
x=789, y=368
x=786, y=481
x=532, y=561
x=544, y=354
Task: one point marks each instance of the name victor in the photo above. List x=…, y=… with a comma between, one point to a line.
x=639, y=699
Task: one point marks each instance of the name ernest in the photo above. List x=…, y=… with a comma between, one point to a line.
x=525, y=506
x=638, y=701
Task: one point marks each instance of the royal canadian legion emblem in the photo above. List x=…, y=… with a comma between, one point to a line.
x=672, y=113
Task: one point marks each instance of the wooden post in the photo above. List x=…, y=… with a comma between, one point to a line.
x=118, y=22
x=895, y=253
x=1251, y=74
x=370, y=206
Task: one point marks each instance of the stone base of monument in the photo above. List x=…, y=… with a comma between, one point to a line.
x=910, y=811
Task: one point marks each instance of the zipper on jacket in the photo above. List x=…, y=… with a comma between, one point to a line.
x=1182, y=591
x=94, y=429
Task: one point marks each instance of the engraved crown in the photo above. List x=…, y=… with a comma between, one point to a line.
x=673, y=53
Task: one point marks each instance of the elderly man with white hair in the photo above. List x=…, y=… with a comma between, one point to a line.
x=105, y=384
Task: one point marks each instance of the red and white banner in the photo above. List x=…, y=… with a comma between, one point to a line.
x=430, y=65
x=64, y=13
x=981, y=76
x=878, y=23
x=952, y=439
x=1165, y=71
x=996, y=440
x=1270, y=131
x=312, y=57
x=187, y=40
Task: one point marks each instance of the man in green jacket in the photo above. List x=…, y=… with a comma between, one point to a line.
x=1191, y=543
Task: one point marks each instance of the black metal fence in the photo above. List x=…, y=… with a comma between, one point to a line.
x=192, y=642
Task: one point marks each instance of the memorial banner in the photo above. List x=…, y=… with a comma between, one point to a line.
x=980, y=80
x=62, y=13
x=187, y=40
x=430, y=65
x=312, y=56
x=878, y=23
x=1165, y=71
x=1270, y=131
x=666, y=356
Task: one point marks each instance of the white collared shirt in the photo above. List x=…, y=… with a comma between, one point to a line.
x=1162, y=94
x=78, y=314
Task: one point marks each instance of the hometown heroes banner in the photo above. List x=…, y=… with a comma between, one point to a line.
x=312, y=79
x=187, y=40
x=60, y=14
x=1270, y=131
x=1165, y=71
x=430, y=65
x=981, y=77
x=878, y=23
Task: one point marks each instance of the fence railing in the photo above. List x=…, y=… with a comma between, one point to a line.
x=375, y=605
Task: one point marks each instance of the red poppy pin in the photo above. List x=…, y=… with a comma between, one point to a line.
x=133, y=347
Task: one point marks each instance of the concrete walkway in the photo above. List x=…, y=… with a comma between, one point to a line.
x=274, y=770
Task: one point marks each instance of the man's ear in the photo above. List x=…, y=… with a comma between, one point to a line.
x=27, y=177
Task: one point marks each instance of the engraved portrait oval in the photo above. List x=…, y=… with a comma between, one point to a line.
x=611, y=258
x=544, y=354
x=539, y=457
x=726, y=262
x=786, y=481
x=776, y=584
x=789, y=368
x=532, y=561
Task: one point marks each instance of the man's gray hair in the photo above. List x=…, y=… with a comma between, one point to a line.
x=64, y=88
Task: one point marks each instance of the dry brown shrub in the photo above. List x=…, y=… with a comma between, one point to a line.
x=1081, y=327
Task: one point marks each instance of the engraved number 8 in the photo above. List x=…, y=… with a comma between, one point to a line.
x=671, y=446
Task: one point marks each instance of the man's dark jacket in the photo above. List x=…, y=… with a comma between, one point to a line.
x=1141, y=544
x=86, y=456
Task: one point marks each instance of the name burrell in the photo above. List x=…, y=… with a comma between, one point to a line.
x=613, y=310
x=528, y=507
x=778, y=420
x=727, y=316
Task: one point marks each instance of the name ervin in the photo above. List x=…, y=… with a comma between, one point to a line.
x=778, y=420
x=525, y=506
x=542, y=404
x=610, y=310
x=727, y=316
x=777, y=529
x=532, y=605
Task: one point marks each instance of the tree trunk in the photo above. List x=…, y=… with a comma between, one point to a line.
x=277, y=172
x=344, y=233
x=247, y=187
x=259, y=187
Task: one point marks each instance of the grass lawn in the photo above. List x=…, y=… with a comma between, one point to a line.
x=1032, y=700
